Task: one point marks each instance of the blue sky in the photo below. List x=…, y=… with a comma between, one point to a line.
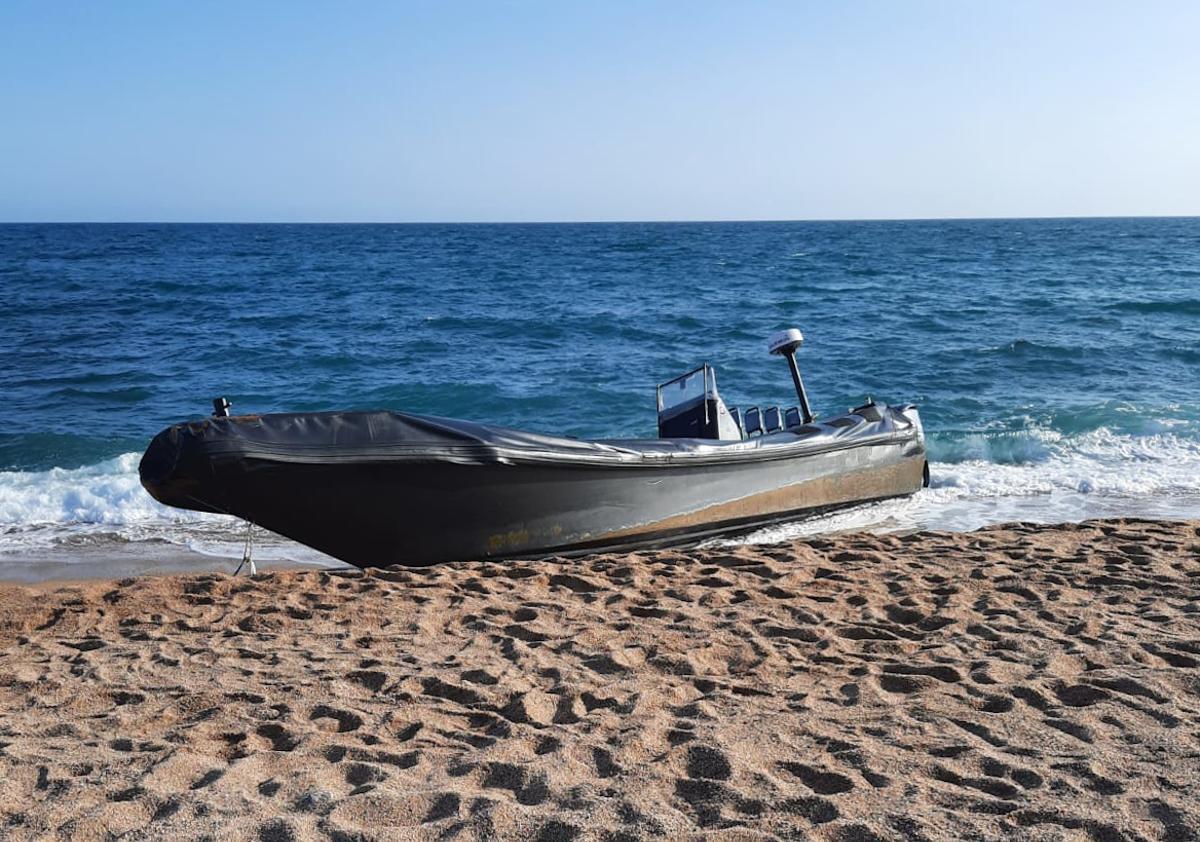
x=443, y=111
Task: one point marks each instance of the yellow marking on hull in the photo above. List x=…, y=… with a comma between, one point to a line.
x=902, y=478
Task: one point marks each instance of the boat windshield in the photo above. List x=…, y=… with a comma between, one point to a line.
x=686, y=388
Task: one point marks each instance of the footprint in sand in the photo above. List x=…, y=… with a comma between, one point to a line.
x=281, y=739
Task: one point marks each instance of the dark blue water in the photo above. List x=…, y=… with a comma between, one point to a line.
x=1055, y=361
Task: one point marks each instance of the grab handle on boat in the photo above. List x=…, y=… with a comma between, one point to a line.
x=784, y=344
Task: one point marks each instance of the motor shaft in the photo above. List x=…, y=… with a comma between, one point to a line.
x=805, y=412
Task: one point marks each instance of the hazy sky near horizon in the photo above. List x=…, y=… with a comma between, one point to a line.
x=530, y=111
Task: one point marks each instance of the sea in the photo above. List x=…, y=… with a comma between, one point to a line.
x=1055, y=361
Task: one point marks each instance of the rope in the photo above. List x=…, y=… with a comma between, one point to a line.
x=249, y=548
x=247, y=553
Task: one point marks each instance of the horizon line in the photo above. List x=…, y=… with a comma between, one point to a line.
x=750, y=221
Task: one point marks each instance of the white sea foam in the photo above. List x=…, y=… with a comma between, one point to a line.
x=1046, y=478
x=106, y=504
x=994, y=477
x=106, y=493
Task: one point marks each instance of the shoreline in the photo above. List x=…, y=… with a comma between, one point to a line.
x=121, y=560
x=1020, y=680
x=99, y=564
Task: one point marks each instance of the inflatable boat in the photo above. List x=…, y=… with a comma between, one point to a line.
x=382, y=488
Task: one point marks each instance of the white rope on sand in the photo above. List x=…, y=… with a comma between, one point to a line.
x=247, y=553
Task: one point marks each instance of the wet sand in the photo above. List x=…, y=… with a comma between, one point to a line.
x=1021, y=682
x=135, y=559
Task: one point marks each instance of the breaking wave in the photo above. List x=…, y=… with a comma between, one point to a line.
x=977, y=479
x=104, y=505
x=1034, y=475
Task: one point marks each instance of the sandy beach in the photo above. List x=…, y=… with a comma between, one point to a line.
x=1021, y=682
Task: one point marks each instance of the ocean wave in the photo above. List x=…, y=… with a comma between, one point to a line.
x=127, y=395
x=1097, y=474
x=1036, y=434
x=104, y=506
x=1099, y=462
x=1029, y=348
x=106, y=493
x=988, y=477
x=1187, y=306
x=1002, y=447
x=1185, y=353
x=86, y=378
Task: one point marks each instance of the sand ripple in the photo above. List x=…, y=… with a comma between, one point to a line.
x=1017, y=682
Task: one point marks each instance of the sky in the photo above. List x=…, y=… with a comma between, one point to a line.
x=561, y=111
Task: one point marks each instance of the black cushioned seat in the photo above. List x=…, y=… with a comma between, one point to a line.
x=753, y=418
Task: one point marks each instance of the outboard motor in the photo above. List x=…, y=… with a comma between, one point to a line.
x=784, y=344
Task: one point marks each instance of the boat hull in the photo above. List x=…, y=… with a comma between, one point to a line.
x=426, y=505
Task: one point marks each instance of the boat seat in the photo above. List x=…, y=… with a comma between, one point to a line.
x=868, y=411
x=791, y=417
x=753, y=421
x=772, y=420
